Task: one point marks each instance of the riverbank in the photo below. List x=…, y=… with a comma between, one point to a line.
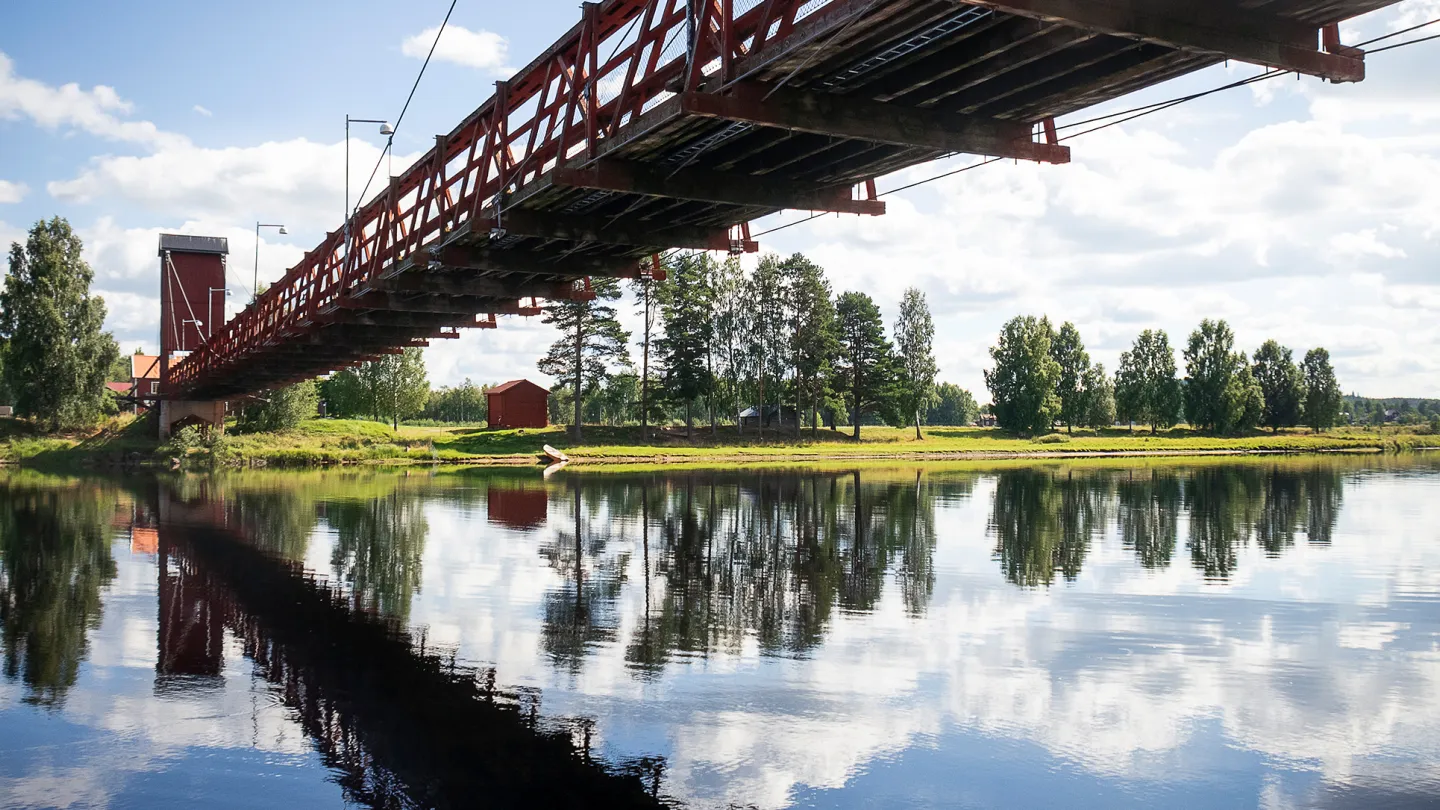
x=325, y=442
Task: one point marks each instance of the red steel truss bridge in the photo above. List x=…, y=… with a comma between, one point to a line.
x=659, y=124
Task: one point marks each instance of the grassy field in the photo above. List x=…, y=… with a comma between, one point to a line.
x=338, y=441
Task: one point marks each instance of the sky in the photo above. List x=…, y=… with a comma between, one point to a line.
x=1296, y=210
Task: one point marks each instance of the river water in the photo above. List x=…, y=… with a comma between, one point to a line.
x=1192, y=633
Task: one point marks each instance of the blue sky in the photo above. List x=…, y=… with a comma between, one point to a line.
x=1305, y=212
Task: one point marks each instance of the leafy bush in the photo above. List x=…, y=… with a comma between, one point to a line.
x=1053, y=438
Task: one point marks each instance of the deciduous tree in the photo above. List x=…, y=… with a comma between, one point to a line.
x=684, y=348
x=1068, y=351
x=281, y=409
x=396, y=384
x=1281, y=384
x=1220, y=392
x=1099, y=398
x=1322, y=392
x=1023, y=382
x=814, y=341
x=953, y=405
x=58, y=355
x=1146, y=389
x=914, y=339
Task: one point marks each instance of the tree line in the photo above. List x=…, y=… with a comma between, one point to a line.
x=774, y=344
x=1043, y=376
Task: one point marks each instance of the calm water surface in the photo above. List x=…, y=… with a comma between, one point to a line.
x=1189, y=634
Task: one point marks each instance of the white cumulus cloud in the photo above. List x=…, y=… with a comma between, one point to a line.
x=97, y=111
x=202, y=110
x=11, y=192
x=483, y=50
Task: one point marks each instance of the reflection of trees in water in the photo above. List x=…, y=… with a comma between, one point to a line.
x=54, y=559
x=729, y=557
x=1043, y=523
x=378, y=547
x=582, y=611
x=278, y=521
x=1149, y=515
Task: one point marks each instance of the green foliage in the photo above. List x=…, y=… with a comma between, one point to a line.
x=914, y=340
x=1282, y=386
x=57, y=356
x=730, y=323
x=684, y=348
x=1322, y=392
x=768, y=354
x=1146, y=389
x=1221, y=394
x=591, y=342
x=1023, y=382
x=814, y=339
x=282, y=409
x=865, y=364
x=54, y=563
x=392, y=388
x=1099, y=398
x=465, y=402
x=1244, y=401
x=953, y=406
x=1068, y=351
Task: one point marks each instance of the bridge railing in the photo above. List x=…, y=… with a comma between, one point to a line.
x=624, y=58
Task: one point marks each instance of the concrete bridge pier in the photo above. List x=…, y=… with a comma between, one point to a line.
x=177, y=413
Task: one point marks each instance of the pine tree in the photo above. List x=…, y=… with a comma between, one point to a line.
x=914, y=339
x=865, y=363
x=591, y=342
x=1322, y=392
x=1023, y=382
x=57, y=356
x=1281, y=384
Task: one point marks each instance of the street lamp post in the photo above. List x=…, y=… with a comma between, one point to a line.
x=385, y=129
x=255, y=281
x=210, y=309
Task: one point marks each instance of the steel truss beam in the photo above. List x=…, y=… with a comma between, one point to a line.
x=843, y=116
x=1216, y=27
x=465, y=285
x=710, y=186
x=465, y=257
x=611, y=231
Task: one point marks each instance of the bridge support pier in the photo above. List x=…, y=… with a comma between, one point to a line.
x=177, y=413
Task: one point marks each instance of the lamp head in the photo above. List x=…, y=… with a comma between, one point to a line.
x=386, y=129
x=283, y=231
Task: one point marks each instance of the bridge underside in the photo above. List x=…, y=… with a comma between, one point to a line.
x=803, y=120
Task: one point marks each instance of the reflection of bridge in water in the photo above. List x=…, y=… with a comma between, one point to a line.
x=404, y=727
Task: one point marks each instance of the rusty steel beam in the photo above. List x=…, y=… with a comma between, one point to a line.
x=423, y=302
x=610, y=231
x=477, y=259
x=731, y=188
x=458, y=284
x=1217, y=27
x=846, y=117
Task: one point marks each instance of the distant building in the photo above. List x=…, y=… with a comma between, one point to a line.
x=776, y=416
x=144, y=376
x=518, y=404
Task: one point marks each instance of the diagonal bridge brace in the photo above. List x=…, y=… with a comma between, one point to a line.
x=711, y=186
x=877, y=122
x=1214, y=27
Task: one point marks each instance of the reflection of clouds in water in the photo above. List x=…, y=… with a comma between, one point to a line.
x=1315, y=659
x=121, y=730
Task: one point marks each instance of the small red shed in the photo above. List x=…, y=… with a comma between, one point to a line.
x=518, y=404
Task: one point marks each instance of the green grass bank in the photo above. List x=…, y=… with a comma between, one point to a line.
x=340, y=441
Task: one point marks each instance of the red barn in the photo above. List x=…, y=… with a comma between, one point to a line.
x=518, y=404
